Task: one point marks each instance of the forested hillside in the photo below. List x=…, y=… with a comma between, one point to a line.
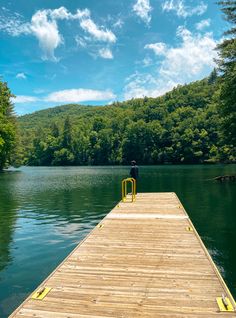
x=183, y=126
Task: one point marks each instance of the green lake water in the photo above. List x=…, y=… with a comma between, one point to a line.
x=46, y=211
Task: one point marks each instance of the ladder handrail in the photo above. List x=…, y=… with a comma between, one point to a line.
x=124, y=188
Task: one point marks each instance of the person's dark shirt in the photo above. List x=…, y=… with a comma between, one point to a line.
x=134, y=172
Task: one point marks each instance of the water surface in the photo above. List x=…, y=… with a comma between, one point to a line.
x=46, y=211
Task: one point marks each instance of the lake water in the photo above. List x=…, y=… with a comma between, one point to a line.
x=46, y=211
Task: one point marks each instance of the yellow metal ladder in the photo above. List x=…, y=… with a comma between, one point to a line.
x=132, y=181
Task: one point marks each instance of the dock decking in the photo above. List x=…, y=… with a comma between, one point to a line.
x=144, y=260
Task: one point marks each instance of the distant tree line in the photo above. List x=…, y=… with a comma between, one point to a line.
x=183, y=126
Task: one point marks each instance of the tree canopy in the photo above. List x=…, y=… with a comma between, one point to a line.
x=227, y=65
x=7, y=126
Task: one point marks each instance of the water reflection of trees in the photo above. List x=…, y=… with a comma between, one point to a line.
x=8, y=216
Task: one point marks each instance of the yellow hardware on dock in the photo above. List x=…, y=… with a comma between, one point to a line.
x=189, y=228
x=224, y=304
x=41, y=293
x=132, y=181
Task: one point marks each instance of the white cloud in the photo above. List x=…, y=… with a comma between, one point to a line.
x=21, y=75
x=140, y=85
x=158, y=48
x=182, y=10
x=105, y=53
x=46, y=31
x=67, y=96
x=12, y=23
x=60, y=14
x=79, y=95
x=143, y=9
x=39, y=91
x=147, y=61
x=203, y=24
x=195, y=53
x=44, y=26
x=80, y=41
x=191, y=60
x=118, y=24
x=97, y=33
x=82, y=14
x=24, y=99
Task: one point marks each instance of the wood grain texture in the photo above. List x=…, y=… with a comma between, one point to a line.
x=140, y=261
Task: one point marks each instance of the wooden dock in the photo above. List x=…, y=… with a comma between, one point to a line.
x=145, y=260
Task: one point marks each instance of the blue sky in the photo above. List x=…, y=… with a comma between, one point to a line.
x=96, y=52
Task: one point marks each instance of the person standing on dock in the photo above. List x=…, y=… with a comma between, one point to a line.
x=134, y=171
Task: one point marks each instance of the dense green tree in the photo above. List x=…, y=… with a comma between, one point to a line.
x=67, y=134
x=7, y=127
x=55, y=130
x=213, y=77
x=227, y=65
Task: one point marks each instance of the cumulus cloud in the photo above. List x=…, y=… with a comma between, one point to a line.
x=44, y=26
x=46, y=31
x=195, y=53
x=60, y=14
x=192, y=59
x=68, y=96
x=97, y=33
x=82, y=14
x=203, y=24
x=140, y=85
x=79, y=95
x=143, y=9
x=24, y=99
x=183, y=10
x=105, y=53
x=158, y=48
x=21, y=76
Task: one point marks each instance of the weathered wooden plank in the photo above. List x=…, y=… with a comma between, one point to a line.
x=140, y=261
